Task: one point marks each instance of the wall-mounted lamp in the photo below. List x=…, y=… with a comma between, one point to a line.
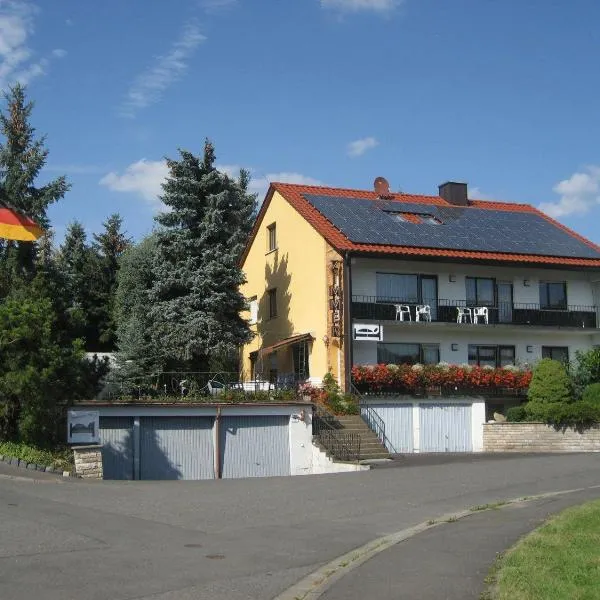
x=451, y=278
x=526, y=282
x=326, y=340
x=530, y=349
x=454, y=347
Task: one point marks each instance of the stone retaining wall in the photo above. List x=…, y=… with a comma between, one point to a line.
x=538, y=437
x=88, y=462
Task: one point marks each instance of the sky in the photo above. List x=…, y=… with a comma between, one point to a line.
x=501, y=95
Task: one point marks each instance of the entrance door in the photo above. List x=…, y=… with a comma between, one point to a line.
x=505, y=302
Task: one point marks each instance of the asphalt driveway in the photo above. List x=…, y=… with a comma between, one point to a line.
x=235, y=539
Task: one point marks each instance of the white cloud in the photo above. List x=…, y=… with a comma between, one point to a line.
x=475, y=193
x=59, y=53
x=359, y=147
x=143, y=178
x=69, y=22
x=578, y=194
x=149, y=86
x=17, y=60
x=354, y=6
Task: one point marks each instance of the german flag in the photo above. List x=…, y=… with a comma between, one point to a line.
x=14, y=226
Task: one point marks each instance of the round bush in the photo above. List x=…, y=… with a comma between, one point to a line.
x=516, y=414
x=550, y=383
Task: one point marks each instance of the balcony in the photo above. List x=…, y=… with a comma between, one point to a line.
x=503, y=313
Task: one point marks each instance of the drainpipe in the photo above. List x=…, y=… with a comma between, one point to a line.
x=347, y=321
x=217, y=460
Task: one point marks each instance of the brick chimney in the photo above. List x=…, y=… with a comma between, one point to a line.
x=454, y=193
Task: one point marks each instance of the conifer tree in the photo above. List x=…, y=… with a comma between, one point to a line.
x=22, y=157
x=196, y=302
x=109, y=247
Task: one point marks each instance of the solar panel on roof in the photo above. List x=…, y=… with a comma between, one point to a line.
x=365, y=221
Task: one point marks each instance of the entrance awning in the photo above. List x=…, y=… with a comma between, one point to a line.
x=295, y=339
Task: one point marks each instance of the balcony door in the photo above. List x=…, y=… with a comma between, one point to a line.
x=505, y=302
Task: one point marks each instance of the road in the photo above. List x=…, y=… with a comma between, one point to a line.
x=237, y=539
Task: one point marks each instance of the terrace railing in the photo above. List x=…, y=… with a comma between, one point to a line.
x=506, y=313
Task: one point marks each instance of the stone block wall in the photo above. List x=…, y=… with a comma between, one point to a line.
x=538, y=437
x=88, y=462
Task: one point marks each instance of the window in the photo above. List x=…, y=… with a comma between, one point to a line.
x=405, y=217
x=491, y=356
x=272, y=237
x=253, y=310
x=480, y=291
x=553, y=295
x=560, y=353
x=300, y=356
x=410, y=354
x=272, y=296
x=412, y=289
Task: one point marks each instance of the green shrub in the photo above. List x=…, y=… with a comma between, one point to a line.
x=550, y=383
x=591, y=394
x=587, y=367
x=30, y=454
x=516, y=414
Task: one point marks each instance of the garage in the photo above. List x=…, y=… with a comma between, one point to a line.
x=398, y=419
x=176, y=448
x=445, y=427
x=116, y=437
x=255, y=446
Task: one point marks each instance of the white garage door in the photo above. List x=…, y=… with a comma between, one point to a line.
x=116, y=437
x=176, y=448
x=255, y=446
x=445, y=427
x=398, y=419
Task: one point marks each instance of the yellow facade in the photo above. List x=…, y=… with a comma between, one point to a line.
x=298, y=270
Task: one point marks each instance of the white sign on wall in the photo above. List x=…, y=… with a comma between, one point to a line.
x=83, y=427
x=364, y=332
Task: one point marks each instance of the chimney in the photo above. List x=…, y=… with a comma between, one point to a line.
x=454, y=193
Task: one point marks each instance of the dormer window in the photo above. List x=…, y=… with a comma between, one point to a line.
x=405, y=217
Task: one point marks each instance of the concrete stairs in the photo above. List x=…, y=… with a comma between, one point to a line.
x=370, y=446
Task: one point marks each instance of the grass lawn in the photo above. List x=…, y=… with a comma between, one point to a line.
x=558, y=561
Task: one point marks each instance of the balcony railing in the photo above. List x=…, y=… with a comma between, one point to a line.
x=445, y=311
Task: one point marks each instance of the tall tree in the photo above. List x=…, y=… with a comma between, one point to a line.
x=22, y=157
x=196, y=302
x=80, y=265
x=137, y=356
x=109, y=246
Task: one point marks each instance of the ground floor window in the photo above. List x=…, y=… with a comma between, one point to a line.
x=491, y=356
x=560, y=353
x=410, y=354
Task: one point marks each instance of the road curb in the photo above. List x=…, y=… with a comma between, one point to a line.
x=19, y=463
x=315, y=584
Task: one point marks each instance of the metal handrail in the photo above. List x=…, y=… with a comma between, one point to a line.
x=373, y=419
x=343, y=446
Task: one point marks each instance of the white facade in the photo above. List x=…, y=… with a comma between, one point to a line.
x=583, y=296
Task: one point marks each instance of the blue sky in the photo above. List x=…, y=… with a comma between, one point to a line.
x=503, y=95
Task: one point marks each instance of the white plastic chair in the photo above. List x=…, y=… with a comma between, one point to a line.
x=402, y=310
x=423, y=313
x=481, y=311
x=463, y=314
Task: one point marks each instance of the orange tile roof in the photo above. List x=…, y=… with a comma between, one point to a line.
x=293, y=193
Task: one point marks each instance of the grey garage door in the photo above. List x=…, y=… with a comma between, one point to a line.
x=398, y=419
x=176, y=448
x=445, y=427
x=116, y=437
x=255, y=446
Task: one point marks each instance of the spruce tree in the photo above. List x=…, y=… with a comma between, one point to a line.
x=196, y=302
x=22, y=157
x=109, y=247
